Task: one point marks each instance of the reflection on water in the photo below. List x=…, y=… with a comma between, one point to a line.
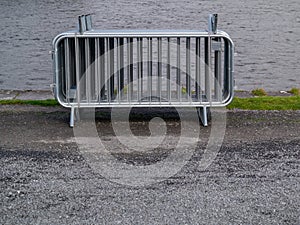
x=266, y=35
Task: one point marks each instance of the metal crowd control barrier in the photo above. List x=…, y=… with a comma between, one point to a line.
x=143, y=68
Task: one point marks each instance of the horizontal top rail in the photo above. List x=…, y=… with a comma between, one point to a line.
x=143, y=33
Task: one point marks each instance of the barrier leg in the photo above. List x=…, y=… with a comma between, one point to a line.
x=202, y=112
x=72, y=117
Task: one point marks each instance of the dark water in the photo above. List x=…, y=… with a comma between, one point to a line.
x=266, y=34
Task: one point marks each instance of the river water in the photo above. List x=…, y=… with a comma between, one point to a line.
x=266, y=34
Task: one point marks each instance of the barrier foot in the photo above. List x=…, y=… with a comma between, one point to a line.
x=72, y=117
x=203, y=115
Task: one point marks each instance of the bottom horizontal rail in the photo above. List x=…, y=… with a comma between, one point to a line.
x=203, y=114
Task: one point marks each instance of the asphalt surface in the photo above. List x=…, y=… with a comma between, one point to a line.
x=45, y=178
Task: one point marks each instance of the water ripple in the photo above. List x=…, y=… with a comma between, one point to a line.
x=266, y=35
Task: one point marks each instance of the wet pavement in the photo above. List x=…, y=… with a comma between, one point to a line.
x=46, y=179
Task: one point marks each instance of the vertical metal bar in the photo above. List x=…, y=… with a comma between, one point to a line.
x=87, y=70
x=72, y=116
x=102, y=68
x=108, y=62
x=72, y=66
x=61, y=69
x=67, y=69
x=77, y=70
x=141, y=66
x=168, y=70
x=198, y=72
x=121, y=69
x=97, y=69
x=150, y=69
x=118, y=70
x=62, y=84
x=226, y=69
x=231, y=69
x=213, y=23
x=82, y=68
x=188, y=67
x=88, y=21
x=202, y=112
x=207, y=68
x=82, y=23
x=93, y=68
x=130, y=67
x=111, y=69
x=218, y=81
x=178, y=71
x=138, y=69
x=159, y=68
x=112, y=83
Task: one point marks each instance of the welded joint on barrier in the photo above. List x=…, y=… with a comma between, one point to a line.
x=85, y=23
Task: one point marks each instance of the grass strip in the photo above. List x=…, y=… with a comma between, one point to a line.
x=266, y=103
x=48, y=102
x=253, y=103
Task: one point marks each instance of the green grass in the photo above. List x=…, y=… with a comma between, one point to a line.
x=123, y=91
x=252, y=103
x=294, y=91
x=48, y=102
x=259, y=92
x=184, y=91
x=266, y=103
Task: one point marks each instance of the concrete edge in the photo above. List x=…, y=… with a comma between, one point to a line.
x=25, y=95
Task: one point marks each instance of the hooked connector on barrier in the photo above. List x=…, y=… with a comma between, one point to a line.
x=85, y=23
x=212, y=23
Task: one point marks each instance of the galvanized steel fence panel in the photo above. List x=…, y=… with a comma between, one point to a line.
x=143, y=68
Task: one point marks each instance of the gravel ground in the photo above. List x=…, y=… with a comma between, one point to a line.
x=44, y=178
